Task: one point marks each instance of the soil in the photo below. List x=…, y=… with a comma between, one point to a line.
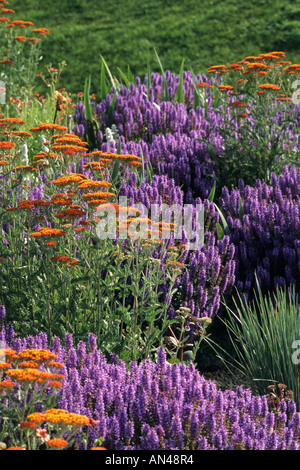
x=225, y=380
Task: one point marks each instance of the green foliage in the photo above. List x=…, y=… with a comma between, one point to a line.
x=90, y=131
x=264, y=335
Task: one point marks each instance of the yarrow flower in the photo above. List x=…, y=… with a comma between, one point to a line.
x=268, y=86
x=57, y=443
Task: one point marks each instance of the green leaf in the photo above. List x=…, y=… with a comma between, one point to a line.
x=166, y=88
x=143, y=166
x=115, y=173
x=90, y=134
x=148, y=77
x=212, y=193
x=150, y=173
x=225, y=225
x=125, y=78
x=103, y=87
x=130, y=76
x=109, y=72
x=241, y=210
x=216, y=96
x=179, y=92
x=111, y=109
x=220, y=231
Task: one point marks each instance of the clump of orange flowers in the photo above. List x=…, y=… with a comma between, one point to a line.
x=31, y=371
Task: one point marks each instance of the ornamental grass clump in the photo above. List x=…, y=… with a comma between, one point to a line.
x=264, y=334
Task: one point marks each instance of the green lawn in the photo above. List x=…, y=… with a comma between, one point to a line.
x=202, y=32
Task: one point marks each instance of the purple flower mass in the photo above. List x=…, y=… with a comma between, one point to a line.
x=158, y=405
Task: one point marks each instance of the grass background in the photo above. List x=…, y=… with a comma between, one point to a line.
x=203, y=32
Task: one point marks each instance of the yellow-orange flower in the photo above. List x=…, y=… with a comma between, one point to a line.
x=48, y=126
x=204, y=85
x=57, y=443
x=268, y=86
x=56, y=416
x=27, y=424
x=48, y=232
x=41, y=31
x=8, y=122
x=15, y=448
x=225, y=87
x=6, y=384
x=6, y=145
x=99, y=194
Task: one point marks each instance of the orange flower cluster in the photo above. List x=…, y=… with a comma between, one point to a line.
x=32, y=375
x=71, y=212
x=9, y=122
x=204, y=85
x=65, y=260
x=99, y=195
x=94, y=166
x=48, y=126
x=71, y=180
x=58, y=416
x=225, y=88
x=26, y=367
x=70, y=149
x=57, y=443
x=21, y=24
x=61, y=200
x=41, y=31
x=107, y=158
x=31, y=203
x=40, y=355
x=268, y=86
x=27, y=168
x=6, y=145
x=48, y=232
x=89, y=184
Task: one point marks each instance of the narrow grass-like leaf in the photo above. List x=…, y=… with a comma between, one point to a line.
x=212, y=193
x=142, y=167
x=112, y=81
x=220, y=231
x=90, y=133
x=225, y=225
x=116, y=169
x=166, y=88
x=179, y=97
x=103, y=87
x=148, y=77
x=241, y=210
x=216, y=95
x=130, y=76
x=197, y=97
x=124, y=77
x=263, y=335
x=111, y=109
x=150, y=173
